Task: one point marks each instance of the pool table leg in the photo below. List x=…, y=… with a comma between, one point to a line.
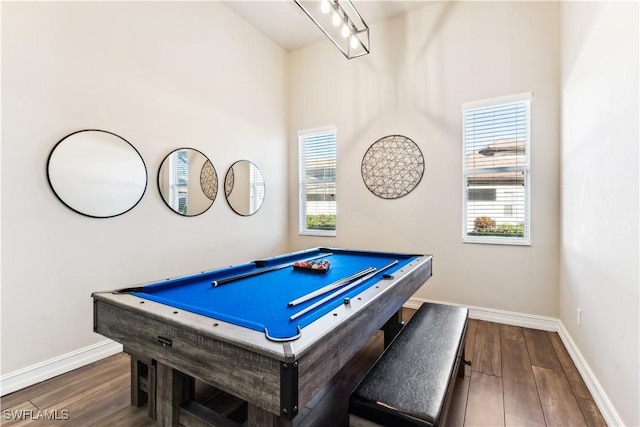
x=392, y=327
x=258, y=417
x=173, y=389
x=143, y=382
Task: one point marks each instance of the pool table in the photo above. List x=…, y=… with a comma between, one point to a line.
x=271, y=332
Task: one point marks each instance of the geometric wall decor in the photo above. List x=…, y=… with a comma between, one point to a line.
x=392, y=167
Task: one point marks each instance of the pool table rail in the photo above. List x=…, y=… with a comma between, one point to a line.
x=252, y=375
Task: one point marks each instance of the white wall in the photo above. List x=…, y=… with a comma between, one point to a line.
x=599, y=248
x=162, y=75
x=422, y=67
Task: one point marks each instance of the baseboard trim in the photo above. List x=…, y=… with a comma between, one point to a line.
x=544, y=323
x=524, y=320
x=609, y=413
x=39, y=372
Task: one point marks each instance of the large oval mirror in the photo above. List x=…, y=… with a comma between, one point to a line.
x=97, y=173
x=244, y=188
x=187, y=181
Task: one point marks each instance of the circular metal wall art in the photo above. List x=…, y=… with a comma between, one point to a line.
x=392, y=167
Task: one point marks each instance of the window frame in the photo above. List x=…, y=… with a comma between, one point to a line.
x=302, y=195
x=525, y=240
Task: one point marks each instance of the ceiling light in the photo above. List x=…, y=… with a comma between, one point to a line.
x=336, y=19
x=325, y=6
x=345, y=30
x=352, y=37
x=353, y=41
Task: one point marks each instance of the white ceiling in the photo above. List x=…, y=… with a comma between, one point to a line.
x=286, y=24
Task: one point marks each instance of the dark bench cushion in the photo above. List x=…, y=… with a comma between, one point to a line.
x=408, y=384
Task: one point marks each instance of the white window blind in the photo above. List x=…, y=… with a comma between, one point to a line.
x=317, y=160
x=496, y=170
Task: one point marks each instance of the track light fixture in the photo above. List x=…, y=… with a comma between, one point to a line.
x=341, y=23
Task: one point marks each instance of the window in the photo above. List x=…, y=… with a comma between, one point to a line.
x=496, y=170
x=317, y=177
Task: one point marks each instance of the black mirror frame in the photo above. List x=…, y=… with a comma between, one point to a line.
x=199, y=180
x=228, y=189
x=48, y=165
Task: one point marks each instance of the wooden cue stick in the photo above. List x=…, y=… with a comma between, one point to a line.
x=341, y=291
x=266, y=270
x=331, y=286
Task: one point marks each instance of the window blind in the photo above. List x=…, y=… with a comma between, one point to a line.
x=496, y=171
x=317, y=174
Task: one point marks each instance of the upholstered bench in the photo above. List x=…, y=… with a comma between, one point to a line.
x=411, y=384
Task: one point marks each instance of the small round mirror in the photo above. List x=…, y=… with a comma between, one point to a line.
x=187, y=181
x=244, y=188
x=97, y=173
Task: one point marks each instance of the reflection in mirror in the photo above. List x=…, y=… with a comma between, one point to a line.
x=97, y=173
x=244, y=188
x=209, y=180
x=187, y=181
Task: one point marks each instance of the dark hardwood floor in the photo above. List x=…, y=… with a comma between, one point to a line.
x=519, y=377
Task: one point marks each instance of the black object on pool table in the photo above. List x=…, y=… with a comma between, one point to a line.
x=256, y=272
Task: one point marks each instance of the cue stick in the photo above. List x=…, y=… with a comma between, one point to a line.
x=341, y=291
x=331, y=286
x=266, y=270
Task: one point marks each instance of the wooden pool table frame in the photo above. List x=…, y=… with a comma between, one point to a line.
x=275, y=378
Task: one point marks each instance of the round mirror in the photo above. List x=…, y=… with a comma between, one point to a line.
x=244, y=188
x=97, y=173
x=187, y=181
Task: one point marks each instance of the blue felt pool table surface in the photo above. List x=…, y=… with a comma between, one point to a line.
x=261, y=302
